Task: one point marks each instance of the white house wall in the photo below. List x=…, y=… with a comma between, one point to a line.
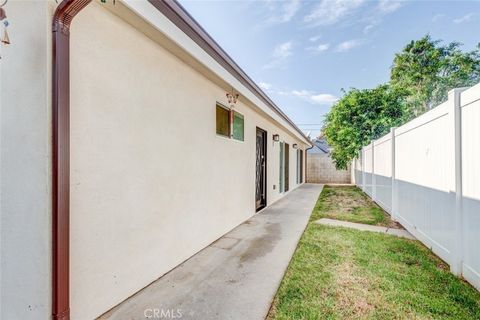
x=25, y=163
x=151, y=182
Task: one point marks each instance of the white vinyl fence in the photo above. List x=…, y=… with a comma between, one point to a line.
x=426, y=174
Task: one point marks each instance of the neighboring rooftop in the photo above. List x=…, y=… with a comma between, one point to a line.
x=320, y=145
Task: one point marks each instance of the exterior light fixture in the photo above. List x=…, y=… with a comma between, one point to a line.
x=232, y=97
x=276, y=137
x=295, y=146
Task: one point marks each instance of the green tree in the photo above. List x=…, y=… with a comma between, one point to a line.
x=360, y=116
x=421, y=76
x=427, y=70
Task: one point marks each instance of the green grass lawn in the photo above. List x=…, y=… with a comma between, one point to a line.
x=350, y=204
x=339, y=273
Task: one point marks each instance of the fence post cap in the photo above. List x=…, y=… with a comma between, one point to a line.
x=457, y=90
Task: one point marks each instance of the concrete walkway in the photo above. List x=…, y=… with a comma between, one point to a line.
x=237, y=276
x=366, y=227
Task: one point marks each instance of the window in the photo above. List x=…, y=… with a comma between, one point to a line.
x=230, y=124
x=223, y=121
x=238, y=126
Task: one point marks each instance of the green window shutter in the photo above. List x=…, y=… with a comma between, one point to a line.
x=238, y=126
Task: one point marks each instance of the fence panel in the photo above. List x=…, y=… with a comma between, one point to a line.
x=432, y=184
x=470, y=113
x=382, y=172
x=425, y=179
x=367, y=167
x=357, y=169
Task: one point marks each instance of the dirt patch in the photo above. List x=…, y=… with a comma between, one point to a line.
x=352, y=292
x=349, y=203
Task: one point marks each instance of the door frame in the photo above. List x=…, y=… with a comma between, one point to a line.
x=263, y=203
x=301, y=166
x=286, y=175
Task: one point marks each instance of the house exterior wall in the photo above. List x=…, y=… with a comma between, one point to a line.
x=151, y=182
x=25, y=170
x=321, y=169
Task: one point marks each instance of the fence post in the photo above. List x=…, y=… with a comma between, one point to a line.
x=454, y=99
x=374, y=181
x=394, y=183
x=363, y=169
x=353, y=165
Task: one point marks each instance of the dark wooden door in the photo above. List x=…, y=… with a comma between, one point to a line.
x=261, y=170
x=287, y=165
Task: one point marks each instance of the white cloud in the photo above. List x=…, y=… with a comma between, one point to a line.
x=323, y=98
x=265, y=85
x=314, y=38
x=348, y=45
x=290, y=9
x=283, y=13
x=389, y=6
x=320, y=47
x=283, y=50
x=280, y=54
x=331, y=11
x=383, y=8
x=368, y=28
x=465, y=18
x=437, y=17
x=312, y=97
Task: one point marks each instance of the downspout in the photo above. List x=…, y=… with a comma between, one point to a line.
x=62, y=20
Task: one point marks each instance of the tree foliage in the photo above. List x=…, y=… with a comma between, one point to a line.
x=359, y=117
x=421, y=76
x=427, y=70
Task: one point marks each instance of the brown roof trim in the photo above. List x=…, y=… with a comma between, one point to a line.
x=185, y=22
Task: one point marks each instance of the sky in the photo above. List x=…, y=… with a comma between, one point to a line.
x=303, y=53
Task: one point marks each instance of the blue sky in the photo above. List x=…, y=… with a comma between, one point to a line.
x=303, y=53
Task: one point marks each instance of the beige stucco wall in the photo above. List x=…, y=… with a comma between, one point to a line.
x=321, y=169
x=151, y=182
x=25, y=199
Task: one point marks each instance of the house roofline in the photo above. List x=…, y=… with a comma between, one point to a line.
x=177, y=14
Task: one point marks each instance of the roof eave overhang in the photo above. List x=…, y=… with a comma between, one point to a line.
x=216, y=59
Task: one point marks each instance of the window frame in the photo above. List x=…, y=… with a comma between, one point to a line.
x=281, y=166
x=220, y=105
x=233, y=125
x=231, y=119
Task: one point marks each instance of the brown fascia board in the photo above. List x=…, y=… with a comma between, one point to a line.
x=185, y=22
